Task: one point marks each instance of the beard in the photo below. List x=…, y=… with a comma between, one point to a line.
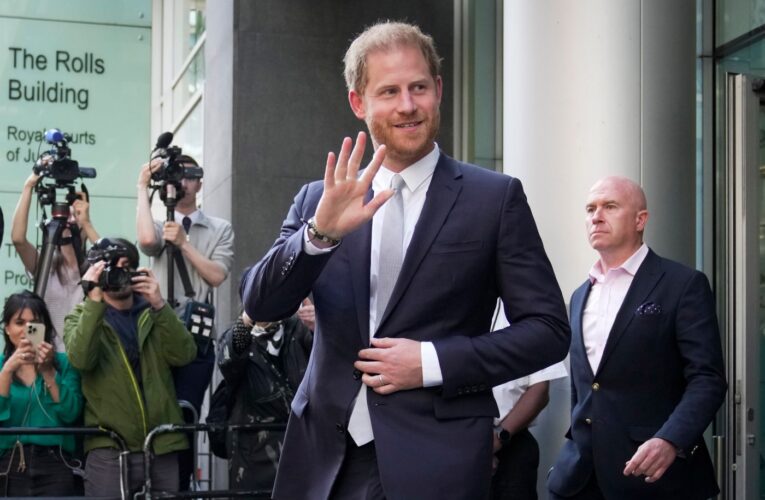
x=402, y=149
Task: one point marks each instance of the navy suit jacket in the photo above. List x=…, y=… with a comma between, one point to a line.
x=661, y=375
x=475, y=240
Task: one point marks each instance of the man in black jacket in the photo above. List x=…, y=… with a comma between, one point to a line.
x=263, y=365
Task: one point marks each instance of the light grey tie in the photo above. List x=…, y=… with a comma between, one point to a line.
x=389, y=266
x=391, y=246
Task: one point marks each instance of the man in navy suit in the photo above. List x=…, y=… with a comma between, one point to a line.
x=647, y=372
x=396, y=401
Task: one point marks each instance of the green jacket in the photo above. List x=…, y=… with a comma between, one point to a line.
x=112, y=397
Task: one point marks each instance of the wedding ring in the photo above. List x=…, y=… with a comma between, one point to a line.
x=382, y=382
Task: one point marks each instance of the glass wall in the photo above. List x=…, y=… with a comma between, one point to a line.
x=478, y=120
x=736, y=18
x=179, y=96
x=739, y=48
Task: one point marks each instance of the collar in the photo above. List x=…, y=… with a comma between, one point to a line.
x=414, y=175
x=630, y=265
x=197, y=217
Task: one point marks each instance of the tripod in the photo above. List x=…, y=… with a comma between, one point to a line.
x=53, y=229
x=175, y=259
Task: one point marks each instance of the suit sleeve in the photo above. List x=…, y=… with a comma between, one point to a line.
x=538, y=335
x=698, y=341
x=273, y=288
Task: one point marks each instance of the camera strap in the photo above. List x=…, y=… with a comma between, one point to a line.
x=78, y=244
x=183, y=272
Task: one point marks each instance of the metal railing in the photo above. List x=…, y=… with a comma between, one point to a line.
x=165, y=428
x=81, y=431
x=147, y=492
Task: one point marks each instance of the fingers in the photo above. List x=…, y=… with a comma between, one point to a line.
x=341, y=169
x=379, y=383
x=384, y=342
x=94, y=271
x=356, y=156
x=329, y=171
x=377, y=160
x=371, y=367
x=652, y=459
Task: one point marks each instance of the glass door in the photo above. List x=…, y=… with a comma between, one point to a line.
x=740, y=289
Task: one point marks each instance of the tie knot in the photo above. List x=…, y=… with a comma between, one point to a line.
x=397, y=182
x=186, y=224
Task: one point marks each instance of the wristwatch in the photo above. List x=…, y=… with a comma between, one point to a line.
x=504, y=437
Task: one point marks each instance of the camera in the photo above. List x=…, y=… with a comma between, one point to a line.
x=173, y=169
x=62, y=169
x=112, y=277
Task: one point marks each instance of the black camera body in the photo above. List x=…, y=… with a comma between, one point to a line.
x=62, y=169
x=112, y=277
x=173, y=169
x=116, y=278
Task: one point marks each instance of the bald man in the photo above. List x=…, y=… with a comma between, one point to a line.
x=646, y=365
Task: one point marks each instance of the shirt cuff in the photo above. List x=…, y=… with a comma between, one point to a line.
x=431, y=369
x=312, y=249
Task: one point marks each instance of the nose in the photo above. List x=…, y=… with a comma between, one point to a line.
x=406, y=103
x=596, y=215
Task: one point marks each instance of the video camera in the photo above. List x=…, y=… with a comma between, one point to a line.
x=62, y=169
x=112, y=277
x=174, y=169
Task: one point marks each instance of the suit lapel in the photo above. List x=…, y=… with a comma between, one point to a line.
x=646, y=278
x=359, y=244
x=442, y=193
x=578, y=302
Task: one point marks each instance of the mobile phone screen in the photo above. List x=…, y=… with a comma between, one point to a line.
x=36, y=333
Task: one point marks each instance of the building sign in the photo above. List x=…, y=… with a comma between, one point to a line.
x=87, y=72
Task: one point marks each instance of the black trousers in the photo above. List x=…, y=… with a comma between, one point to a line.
x=516, y=475
x=359, y=477
x=45, y=473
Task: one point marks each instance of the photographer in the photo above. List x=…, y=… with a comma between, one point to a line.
x=63, y=291
x=206, y=245
x=263, y=365
x=124, y=340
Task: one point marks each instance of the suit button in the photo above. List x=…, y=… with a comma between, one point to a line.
x=339, y=427
x=356, y=374
x=588, y=421
x=595, y=386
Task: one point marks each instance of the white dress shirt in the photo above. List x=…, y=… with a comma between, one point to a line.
x=604, y=301
x=508, y=394
x=417, y=177
x=194, y=216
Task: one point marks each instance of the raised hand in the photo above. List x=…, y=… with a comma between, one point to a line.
x=44, y=357
x=148, y=286
x=24, y=354
x=341, y=209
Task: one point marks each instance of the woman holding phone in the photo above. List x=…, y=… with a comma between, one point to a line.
x=38, y=388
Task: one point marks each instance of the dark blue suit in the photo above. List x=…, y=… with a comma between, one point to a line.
x=661, y=375
x=475, y=240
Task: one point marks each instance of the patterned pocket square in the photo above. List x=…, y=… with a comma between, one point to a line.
x=648, y=309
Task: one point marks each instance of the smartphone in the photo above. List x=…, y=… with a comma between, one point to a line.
x=36, y=333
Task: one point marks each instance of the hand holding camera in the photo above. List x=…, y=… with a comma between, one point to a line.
x=145, y=283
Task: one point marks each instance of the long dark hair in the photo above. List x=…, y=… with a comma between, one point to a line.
x=26, y=300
